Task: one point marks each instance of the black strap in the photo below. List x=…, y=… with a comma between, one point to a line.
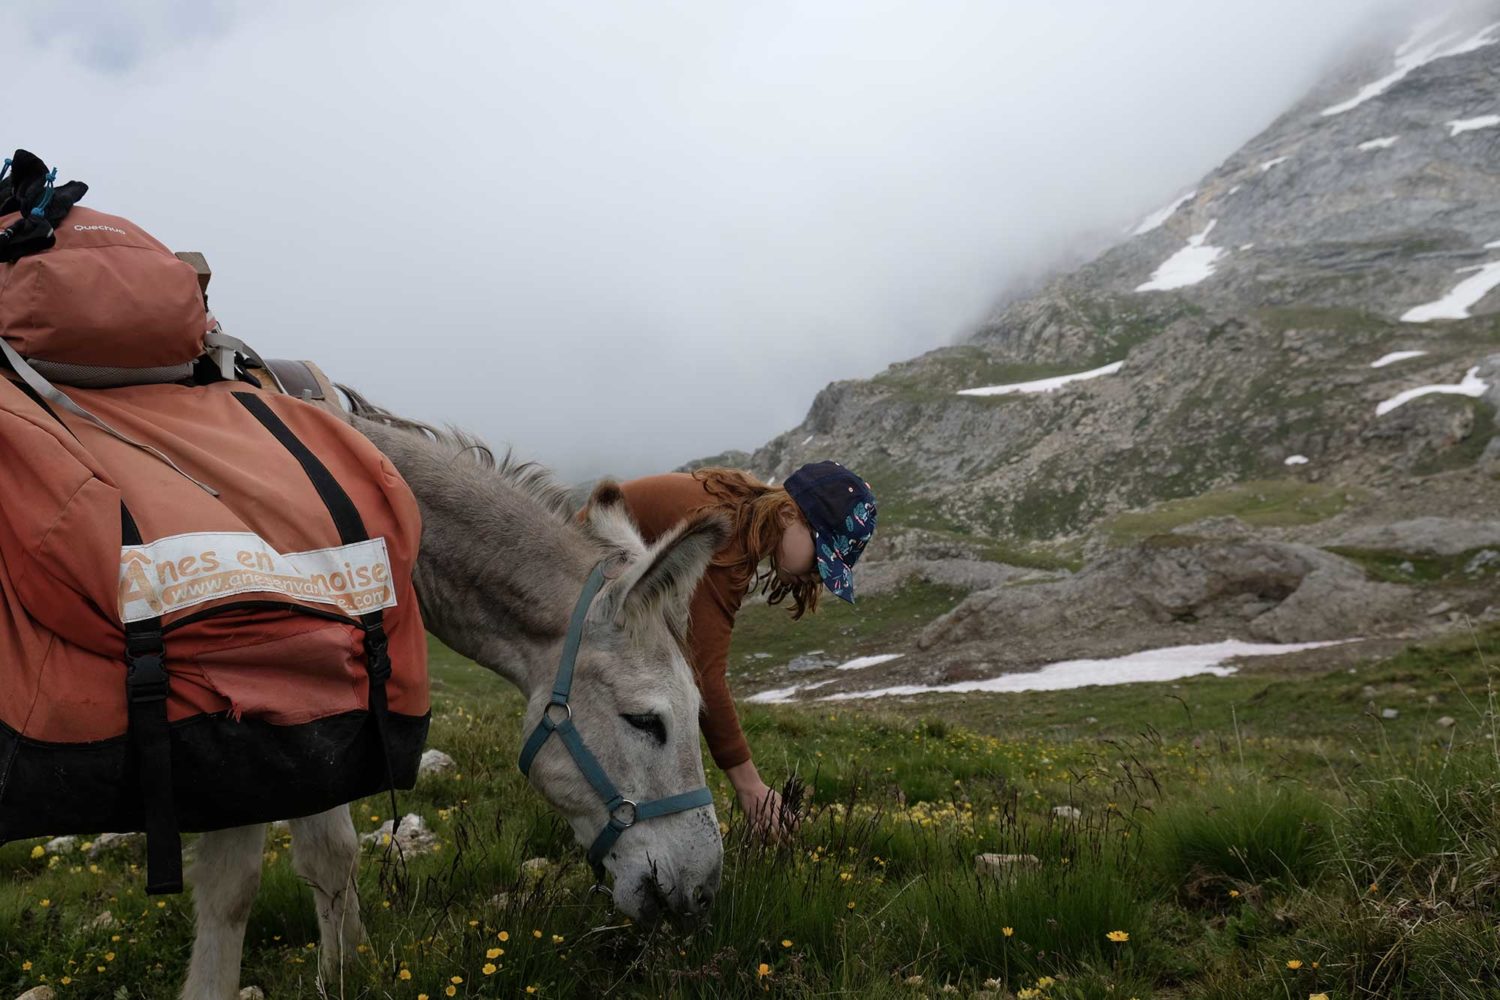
x=351, y=528
x=146, y=689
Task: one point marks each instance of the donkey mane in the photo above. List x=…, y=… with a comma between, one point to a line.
x=531, y=479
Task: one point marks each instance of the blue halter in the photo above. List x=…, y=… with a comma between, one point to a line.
x=557, y=717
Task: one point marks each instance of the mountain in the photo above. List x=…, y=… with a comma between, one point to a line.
x=1304, y=347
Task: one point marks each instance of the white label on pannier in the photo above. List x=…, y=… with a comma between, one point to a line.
x=180, y=571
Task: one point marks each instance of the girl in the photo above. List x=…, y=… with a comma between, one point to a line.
x=788, y=542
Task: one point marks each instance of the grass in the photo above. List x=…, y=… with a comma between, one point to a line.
x=1258, y=835
x=1266, y=503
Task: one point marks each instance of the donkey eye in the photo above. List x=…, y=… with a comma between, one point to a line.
x=649, y=724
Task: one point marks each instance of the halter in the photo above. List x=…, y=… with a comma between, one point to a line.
x=558, y=717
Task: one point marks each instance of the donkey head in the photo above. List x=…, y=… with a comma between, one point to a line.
x=634, y=705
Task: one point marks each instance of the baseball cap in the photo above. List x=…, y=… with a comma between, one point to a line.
x=840, y=508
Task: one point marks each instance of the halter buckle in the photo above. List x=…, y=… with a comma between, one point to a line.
x=614, y=816
x=567, y=709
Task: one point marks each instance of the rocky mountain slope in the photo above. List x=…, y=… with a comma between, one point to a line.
x=1306, y=343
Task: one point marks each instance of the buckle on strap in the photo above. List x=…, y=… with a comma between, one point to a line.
x=145, y=670
x=615, y=819
x=377, y=652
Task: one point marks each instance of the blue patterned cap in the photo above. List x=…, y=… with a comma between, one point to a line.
x=840, y=508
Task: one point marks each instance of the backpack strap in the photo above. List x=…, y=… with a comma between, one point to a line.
x=146, y=690
x=351, y=529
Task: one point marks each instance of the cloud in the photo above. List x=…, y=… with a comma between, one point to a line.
x=620, y=236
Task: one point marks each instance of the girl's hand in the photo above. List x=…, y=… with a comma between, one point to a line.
x=768, y=815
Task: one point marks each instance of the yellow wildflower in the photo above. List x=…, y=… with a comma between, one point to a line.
x=38, y=851
x=404, y=974
x=1045, y=982
x=26, y=966
x=536, y=934
x=1294, y=964
x=1008, y=931
x=45, y=903
x=451, y=991
x=762, y=970
x=488, y=969
x=1118, y=937
x=850, y=904
x=786, y=942
x=504, y=935
x=455, y=980
x=1317, y=996
x=494, y=953
x=557, y=939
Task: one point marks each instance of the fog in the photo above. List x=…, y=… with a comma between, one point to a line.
x=620, y=236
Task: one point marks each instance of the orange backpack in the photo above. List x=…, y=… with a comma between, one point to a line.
x=208, y=616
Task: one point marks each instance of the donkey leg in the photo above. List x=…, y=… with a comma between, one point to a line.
x=325, y=852
x=225, y=878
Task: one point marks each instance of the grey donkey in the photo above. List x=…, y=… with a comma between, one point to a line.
x=502, y=563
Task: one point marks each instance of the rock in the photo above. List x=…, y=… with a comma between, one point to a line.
x=535, y=868
x=1067, y=812
x=61, y=845
x=435, y=762
x=413, y=837
x=1390, y=713
x=499, y=900
x=810, y=661
x=1482, y=562
x=1447, y=722
x=102, y=922
x=252, y=993
x=760, y=656
x=117, y=843
x=38, y=993
x=1441, y=608
x=1000, y=865
x=1426, y=536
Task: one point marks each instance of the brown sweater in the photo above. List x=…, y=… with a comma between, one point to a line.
x=657, y=503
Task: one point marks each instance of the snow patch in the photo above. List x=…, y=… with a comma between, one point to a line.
x=1455, y=305
x=1412, y=56
x=1041, y=384
x=1187, y=266
x=780, y=696
x=1247, y=246
x=1234, y=189
x=861, y=662
x=1393, y=357
x=1296, y=460
x=1167, y=664
x=1472, y=385
x=1271, y=163
x=1461, y=125
x=808, y=440
x=1155, y=219
x=1385, y=143
x=1493, y=246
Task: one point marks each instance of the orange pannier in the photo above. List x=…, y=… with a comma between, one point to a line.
x=206, y=609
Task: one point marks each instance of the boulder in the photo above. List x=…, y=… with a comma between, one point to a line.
x=435, y=762
x=413, y=836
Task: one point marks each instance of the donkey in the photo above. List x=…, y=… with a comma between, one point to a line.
x=502, y=564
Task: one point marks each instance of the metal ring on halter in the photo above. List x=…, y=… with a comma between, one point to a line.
x=547, y=712
x=634, y=811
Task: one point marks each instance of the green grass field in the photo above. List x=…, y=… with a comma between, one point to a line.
x=1257, y=836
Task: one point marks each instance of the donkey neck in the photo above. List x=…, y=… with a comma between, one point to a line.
x=501, y=564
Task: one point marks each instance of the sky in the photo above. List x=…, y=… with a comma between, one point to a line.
x=619, y=236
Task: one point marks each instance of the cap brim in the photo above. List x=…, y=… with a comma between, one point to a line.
x=839, y=585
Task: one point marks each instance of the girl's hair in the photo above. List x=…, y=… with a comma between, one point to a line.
x=757, y=514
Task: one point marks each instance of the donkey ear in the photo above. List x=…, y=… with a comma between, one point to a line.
x=663, y=582
x=609, y=522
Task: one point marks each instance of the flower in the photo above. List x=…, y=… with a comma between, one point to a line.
x=404, y=974
x=422, y=996
x=531, y=989
x=1118, y=937
x=1045, y=982
x=536, y=934
x=1233, y=893
x=488, y=969
x=1317, y=996
x=494, y=953
x=762, y=970
x=850, y=904
x=38, y=851
x=1294, y=964
x=786, y=942
x=455, y=980
x=45, y=903
x=1028, y=993
x=503, y=935
x=557, y=939
x=451, y=991
x=1008, y=931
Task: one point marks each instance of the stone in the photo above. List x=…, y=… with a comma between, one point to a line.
x=1427, y=536
x=1447, y=722
x=1001, y=865
x=61, y=845
x=38, y=993
x=102, y=922
x=1389, y=713
x=535, y=868
x=413, y=836
x=1067, y=812
x=252, y=993
x=435, y=762
x=810, y=661
x=1441, y=608
x=117, y=843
